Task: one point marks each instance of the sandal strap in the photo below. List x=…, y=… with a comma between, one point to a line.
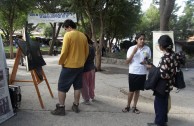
x=135, y=110
x=126, y=109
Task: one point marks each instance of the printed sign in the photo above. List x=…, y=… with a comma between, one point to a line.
x=6, y=110
x=51, y=17
x=157, y=53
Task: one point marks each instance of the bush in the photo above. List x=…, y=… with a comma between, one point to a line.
x=188, y=48
x=117, y=55
x=48, y=31
x=125, y=44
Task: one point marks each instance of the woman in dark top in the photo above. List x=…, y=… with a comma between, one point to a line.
x=167, y=66
x=88, y=80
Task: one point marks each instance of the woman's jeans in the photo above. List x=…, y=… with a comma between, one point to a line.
x=161, y=109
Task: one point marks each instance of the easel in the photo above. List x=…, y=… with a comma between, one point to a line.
x=35, y=78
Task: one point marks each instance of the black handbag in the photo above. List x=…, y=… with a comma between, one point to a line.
x=179, y=80
x=155, y=82
x=152, y=79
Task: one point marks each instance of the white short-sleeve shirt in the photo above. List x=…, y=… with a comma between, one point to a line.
x=134, y=66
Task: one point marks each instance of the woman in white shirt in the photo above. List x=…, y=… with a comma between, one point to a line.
x=136, y=58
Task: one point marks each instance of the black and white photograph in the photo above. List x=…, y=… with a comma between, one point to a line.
x=4, y=106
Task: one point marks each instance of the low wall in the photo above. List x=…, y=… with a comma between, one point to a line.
x=113, y=61
x=189, y=63
x=7, y=55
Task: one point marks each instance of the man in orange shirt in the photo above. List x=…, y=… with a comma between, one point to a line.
x=74, y=53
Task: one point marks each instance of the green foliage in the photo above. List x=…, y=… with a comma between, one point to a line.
x=33, y=38
x=7, y=49
x=13, y=14
x=118, y=21
x=150, y=44
x=184, y=27
x=52, y=6
x=118, y=55
x=48, y=31
x=115, y=14
x=150, y=21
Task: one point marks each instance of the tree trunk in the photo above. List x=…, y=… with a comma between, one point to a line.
x=166, y=8
x=11, y=20
x=11, y=44
x=94, y=39
x=53, y=39
x=99, y=48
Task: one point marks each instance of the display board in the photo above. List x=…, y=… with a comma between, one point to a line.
x=157, y=53
x=34, y=62
x=31, y=50
x=6, y=110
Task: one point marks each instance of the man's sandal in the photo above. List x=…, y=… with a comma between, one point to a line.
x=126, y=109
x=135, y=110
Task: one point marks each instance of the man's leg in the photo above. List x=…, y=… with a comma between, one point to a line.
x=77, y=84
x=76, y=101
x=76, y=96
x=60, y=107
x=62, y=97
x=62, y=89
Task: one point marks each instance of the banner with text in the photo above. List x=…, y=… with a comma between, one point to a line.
x=50, y=17
x=6, y=110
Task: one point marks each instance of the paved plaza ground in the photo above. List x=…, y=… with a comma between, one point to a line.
x=111, y=97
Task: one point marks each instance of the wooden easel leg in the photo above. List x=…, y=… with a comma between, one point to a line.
x=47, y=84
x=37, y=90
x=15, y=66
x=39, y=96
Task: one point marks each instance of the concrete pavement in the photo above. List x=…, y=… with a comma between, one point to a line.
x=111, y=98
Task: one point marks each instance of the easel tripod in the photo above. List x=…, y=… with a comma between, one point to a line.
x=35, y=78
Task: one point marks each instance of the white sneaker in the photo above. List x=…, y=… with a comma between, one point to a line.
x=86, y=102
x=93, y=100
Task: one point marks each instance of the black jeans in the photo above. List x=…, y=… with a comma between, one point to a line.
x=161, y=109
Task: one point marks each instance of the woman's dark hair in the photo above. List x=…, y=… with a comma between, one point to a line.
x=69, y=23
x=90, y=42
x=138, y=35
x=165, y=42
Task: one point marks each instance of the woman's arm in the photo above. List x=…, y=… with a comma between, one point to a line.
x=128, y=60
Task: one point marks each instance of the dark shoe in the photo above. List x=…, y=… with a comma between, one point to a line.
x=60, y=110
x=135, y=110
x=126, y=109
x=75, y=108
x=153, y=124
